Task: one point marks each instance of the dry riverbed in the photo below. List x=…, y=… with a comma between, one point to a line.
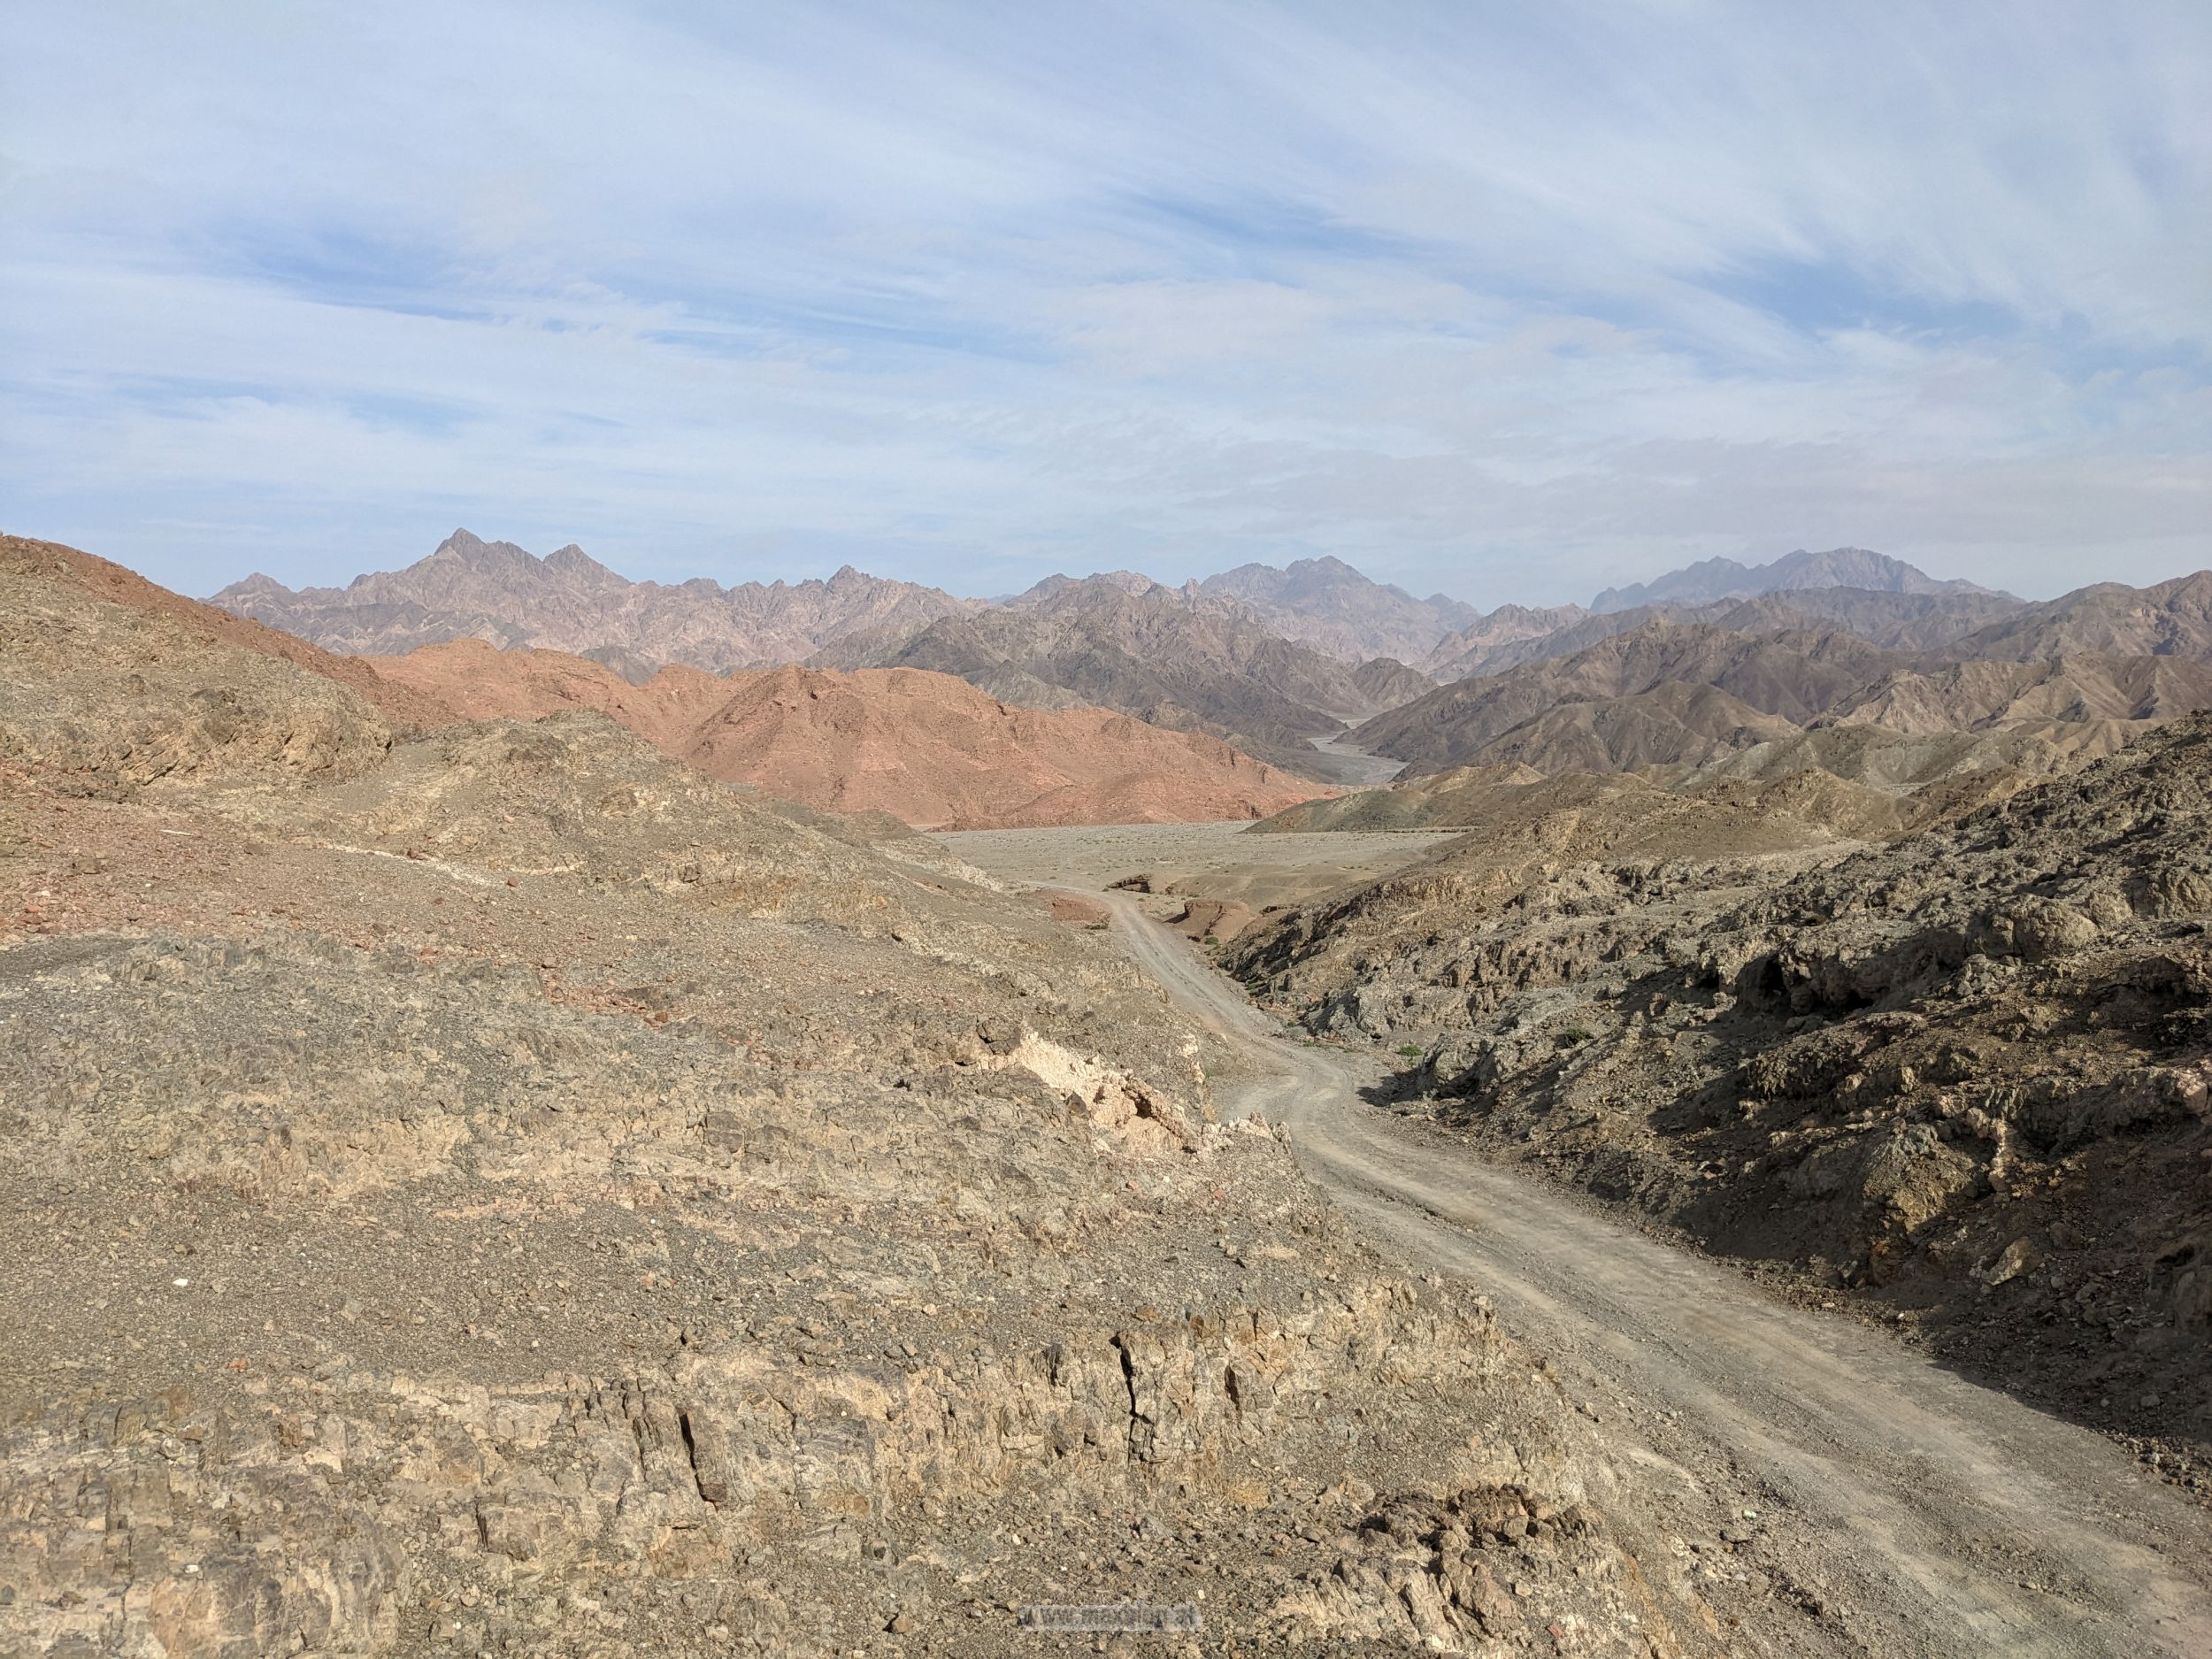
x=1215, y=861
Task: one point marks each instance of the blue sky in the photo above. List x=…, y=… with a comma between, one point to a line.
x=1515, y=302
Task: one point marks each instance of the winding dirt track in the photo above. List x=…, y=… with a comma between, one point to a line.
x=1922, y=1514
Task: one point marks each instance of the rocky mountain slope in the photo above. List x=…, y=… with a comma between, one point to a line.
x=1325, y=603
x=1870, y=781
x=1944, y=621
x=1511, y=636
x=2118, y=692
x=2171, y=619
x=1725, y=578
x=1644, y=686
x=1961, y=1074
x=1646, y=695
x=503, y=1191
x=1912, y=622
x=1492, y=643
x=471, y=588
x=1185, y=664
x=927, y=748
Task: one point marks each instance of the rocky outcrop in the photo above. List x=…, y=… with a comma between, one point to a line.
x=108, y=697
x=1966, y=1074
x=1433, y=1571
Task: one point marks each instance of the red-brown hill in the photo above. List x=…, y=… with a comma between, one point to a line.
x=927, y=748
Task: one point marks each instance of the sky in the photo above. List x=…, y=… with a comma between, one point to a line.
x=1513, y=302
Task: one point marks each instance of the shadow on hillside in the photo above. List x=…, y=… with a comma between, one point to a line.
x=2117, y=1379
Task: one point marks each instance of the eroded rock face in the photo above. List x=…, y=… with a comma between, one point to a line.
x=1969, y=1070
x=1433, y=1571
x=390, y=1305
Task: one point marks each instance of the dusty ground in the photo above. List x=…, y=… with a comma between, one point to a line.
x=1216, y=861
x=1905, y=1511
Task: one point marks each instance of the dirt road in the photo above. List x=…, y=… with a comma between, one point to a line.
x=1911, y=1512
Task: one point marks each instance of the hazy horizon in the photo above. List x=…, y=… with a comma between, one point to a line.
x=1513, y=306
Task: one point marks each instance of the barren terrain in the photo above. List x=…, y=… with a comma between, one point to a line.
x=1909, y=1511
x=498, y=1190
x=489, y=1186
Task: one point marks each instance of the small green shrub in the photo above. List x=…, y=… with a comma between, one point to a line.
x=1572, y=1036
x=1410, y=1051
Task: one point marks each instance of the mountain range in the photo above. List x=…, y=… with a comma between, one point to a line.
x=1173, y=656
x=494, y=591
x=469, y=588
x=1325, y=603
x=1675, y=693
x=1305, y=667
x=476, y=1182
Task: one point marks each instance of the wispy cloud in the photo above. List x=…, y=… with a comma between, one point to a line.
x=1511, y=301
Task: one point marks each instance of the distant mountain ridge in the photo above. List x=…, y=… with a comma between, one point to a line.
x=1673, y=692
x=1725, y=578
x=1512, y=636
x=500, y=593
x=1325, y=603
x=1694, y=664
x=497, y=592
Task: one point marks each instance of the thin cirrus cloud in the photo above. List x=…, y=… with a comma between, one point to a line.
x=1511, y=301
